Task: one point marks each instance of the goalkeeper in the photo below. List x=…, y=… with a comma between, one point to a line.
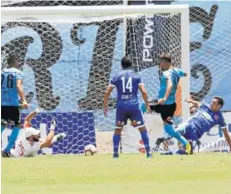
x=207, y=117
x=29, y=142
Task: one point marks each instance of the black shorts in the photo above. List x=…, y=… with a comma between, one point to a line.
x=166, y=110
x=11, y=113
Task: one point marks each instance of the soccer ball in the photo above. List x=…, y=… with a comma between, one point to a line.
x=90, y=150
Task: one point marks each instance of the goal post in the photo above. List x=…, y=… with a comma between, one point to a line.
x=80, y=51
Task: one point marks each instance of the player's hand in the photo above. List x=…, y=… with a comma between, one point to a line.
x=38, y=110
x=161, y=101
x=105, y=110
x=53, y=124
x=148, y=109
x=24, y=105
x=188, y=100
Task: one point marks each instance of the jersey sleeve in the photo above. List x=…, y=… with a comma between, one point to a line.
x=166, y=75
x=113, y=82
x=204, y=105
x=181, y=72
x=222, y=122
x=139, y=81
x=19, y=75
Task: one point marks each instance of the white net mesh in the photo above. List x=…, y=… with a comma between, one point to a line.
x=31, y=3
x=67, y=66
x=210, y=48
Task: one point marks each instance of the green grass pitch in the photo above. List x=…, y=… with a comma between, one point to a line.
x=130, y=174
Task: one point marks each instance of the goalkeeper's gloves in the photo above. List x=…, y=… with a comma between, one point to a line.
x=38, y=110
x=53, y=124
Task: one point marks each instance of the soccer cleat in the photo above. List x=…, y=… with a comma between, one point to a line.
x=188, y=148
x=5, y=154
x=149, y=155
x=116, y=155
x=58, y=137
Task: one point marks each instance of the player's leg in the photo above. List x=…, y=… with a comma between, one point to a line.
x=167, y=115
x=121, y=120
x=51, y=139
x=116, y=141
x=3, y=125
x=48, y=141
x=14, y=115
x=138, y=122
x=4, y=118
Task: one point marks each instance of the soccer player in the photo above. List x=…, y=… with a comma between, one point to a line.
x=11, y=86
x=166, y=104
x=207, y=117
x=127, y=83
x=29, y=143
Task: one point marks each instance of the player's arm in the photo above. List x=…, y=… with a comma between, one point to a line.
x=193, y=103
x=182, y=73
x=106, y=98
x=227, y=136
x=145, y=96
x=30, y=116
x=19, y=86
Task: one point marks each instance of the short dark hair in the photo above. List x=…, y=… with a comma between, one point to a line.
x=126, y=62
x=166, y=57
x=220, y=100
x=11, y=60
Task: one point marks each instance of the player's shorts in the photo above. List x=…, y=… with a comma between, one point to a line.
x=165, y=110
x=188, y=132
x=133, y=113
x=11, y=113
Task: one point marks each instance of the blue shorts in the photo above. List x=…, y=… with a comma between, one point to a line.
x=188, y=132
x=123, y=113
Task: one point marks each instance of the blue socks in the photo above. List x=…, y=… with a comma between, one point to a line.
x=145, y=139
x=12, y=139
x=2, y=128
x=172, y=132
x=116, y=141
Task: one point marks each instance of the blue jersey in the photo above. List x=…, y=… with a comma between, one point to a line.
x=204, y=120
x=9, y=78
x=127, y=84
x=174, y=74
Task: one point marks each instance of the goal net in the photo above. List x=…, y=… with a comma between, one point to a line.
x=69, y=54
x=33, y=3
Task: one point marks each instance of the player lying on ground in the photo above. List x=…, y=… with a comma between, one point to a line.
x=29, y=142
x=166, y=104
x=11, y=86
x=206, y=118
x=127, y=83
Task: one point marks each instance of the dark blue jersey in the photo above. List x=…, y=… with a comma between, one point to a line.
x=205, y=119
x=127, y=84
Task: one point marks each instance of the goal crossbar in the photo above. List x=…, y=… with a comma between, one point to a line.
x=10, y=13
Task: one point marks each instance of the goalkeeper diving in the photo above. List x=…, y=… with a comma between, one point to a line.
x=207, y=116
x=29, y=143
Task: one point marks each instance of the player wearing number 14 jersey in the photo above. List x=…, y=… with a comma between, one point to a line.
x=127, y=83
x=11, y=86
